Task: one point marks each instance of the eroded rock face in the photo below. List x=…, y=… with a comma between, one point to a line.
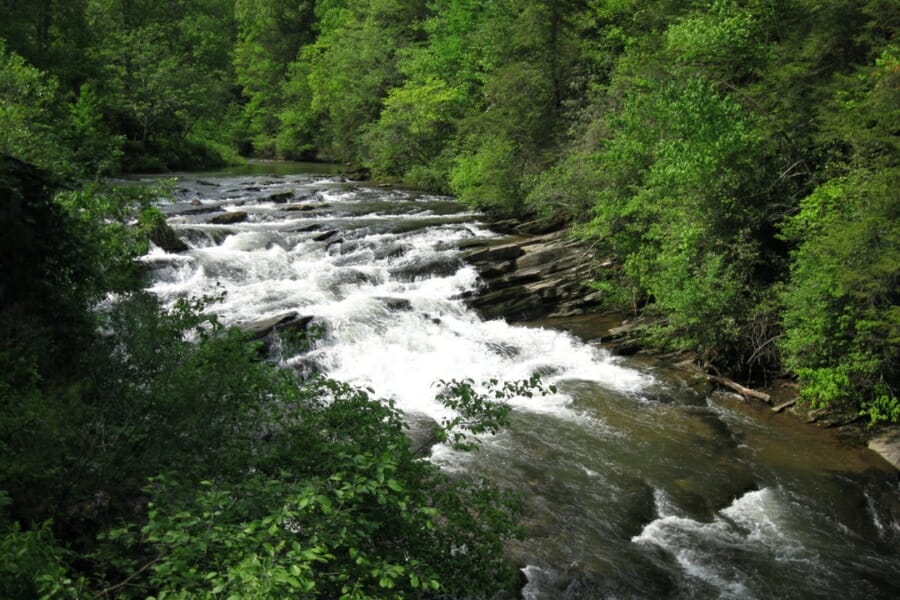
x=534, y=277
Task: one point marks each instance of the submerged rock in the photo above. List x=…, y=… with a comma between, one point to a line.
x=396, y=304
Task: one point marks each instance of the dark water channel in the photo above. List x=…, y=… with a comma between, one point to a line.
x=636, y=485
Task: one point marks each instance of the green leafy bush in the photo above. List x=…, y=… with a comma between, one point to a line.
x=841, y=319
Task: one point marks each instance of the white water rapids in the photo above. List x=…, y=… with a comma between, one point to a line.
x=635, y=485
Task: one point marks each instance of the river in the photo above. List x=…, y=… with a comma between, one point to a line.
x=636, y=485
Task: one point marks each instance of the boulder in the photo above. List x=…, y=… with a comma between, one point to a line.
x=261, y=328
x=430, y=267
x=268, y=331
x=280, y=197
x=166, y=238
x=206, y=237
x=422, y=433
x=396, y=304
x=229, y=218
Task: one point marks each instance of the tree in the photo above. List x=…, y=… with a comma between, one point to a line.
x=270, y=37
x=841, y=316
x=30, y=110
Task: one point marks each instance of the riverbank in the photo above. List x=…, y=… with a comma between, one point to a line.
x=536, y=276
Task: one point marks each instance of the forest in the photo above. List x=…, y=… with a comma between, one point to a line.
x=737, y=160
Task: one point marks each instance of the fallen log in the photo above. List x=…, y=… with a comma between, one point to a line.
x=733, y=385
x=780, y=408
x=743, y=391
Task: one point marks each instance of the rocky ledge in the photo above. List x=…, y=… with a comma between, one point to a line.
x=528, y=277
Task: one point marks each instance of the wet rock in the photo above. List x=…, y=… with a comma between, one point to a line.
x=207, y=237
x=391, y=251
x=351, y=277
x=336, y=246
x=470, y=243
x=306, y=368
x=396, y=304
x=280, y=197
x=270, y=331
x=504, y=350
x=196, y=202
x=430, y=267
x=229, y=218
x=207, y=183
x=322, y=237
x=492, y=272
x=300, y=208
x=166, y=238
x=511, y=303
x=534, y=277
x=258, y=329
x=343, y=247
x=495, y=254
x=198, y=210
x=422, y=433
x=627, y=339
x=307, y=228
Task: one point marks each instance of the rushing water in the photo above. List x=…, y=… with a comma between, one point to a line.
x=635, y=485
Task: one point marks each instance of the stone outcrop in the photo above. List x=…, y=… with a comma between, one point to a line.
x=534, y=277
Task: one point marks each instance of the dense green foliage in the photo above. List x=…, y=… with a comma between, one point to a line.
x=738, y=159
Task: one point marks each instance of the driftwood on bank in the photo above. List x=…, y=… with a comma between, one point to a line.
x=743, y=391
x=730, y=384
x=781, y=407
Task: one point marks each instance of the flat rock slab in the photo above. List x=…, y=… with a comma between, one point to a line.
x=888, y=445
